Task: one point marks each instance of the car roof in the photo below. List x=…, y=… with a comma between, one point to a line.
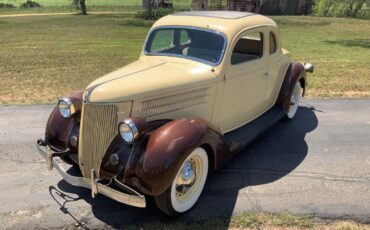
x=228, y=22
x=216, y=14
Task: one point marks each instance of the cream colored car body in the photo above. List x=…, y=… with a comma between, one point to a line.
x=227, y=81
x=228, y=96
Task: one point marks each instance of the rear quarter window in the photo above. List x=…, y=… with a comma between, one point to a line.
x=272, y=43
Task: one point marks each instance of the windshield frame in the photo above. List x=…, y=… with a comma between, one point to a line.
x=183, y=56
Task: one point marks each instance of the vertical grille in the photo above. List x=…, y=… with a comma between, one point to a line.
x=98, y=129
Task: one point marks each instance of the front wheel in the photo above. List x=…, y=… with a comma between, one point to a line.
x=187, y=186
x=294, y=101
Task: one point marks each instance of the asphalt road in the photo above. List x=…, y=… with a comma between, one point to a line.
x=317, y=164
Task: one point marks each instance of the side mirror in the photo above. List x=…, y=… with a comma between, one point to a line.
x=308, y=67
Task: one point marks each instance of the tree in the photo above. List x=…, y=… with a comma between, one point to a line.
x=147, y=8
x=342, y=8
x=259, y=5
x=83, y=7
x=80, y=4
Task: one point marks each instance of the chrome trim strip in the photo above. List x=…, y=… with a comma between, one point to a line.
x=137, y=200
x=183, y=56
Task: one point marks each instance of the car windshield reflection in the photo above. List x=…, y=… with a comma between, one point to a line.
x=201, y=45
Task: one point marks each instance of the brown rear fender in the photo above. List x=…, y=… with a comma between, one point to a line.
x=58, y=129
x=295, y=73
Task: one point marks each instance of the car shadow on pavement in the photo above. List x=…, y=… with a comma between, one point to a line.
x=275, y=154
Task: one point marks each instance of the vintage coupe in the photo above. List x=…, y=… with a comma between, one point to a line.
x=206, y=85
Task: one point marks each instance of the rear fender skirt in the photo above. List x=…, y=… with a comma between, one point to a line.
x=294, y=73
x=58, y=129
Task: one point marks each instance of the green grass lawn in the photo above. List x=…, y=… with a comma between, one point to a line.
x=43, y=58
x=51, y=6
x=69, y=2
x=255, y=220
x=69, y=9
x=339, y=48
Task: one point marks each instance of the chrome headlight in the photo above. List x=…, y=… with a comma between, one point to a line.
x=66, y=107
x=128, y=131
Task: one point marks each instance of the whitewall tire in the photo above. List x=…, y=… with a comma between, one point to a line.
x=294, y=101
x=187, y=186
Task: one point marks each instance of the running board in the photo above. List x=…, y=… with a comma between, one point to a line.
x=244, y=135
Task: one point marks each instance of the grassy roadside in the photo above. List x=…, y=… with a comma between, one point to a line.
x=65, y=6
x=68, y=9
x=43, y=58
x=46, y=57
x=259, y=220
x=339, y=48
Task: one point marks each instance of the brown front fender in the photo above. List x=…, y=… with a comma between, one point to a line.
x=58, y=129
x=167, y=148
x=151, y=164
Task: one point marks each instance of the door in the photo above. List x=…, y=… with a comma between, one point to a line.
x=278, y=64
x=245, y=80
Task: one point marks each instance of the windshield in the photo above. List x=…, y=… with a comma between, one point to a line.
x=198, y=44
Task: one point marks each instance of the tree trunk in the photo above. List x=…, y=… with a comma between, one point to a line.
x=147, y=8
x=327, y=9
x=260, y=5
x=358, y=6
x=83, y=7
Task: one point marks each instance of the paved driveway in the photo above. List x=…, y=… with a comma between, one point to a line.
x=318, y=163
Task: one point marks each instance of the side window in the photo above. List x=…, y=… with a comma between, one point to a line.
x=272, y=43
x=184, y=37
x=248, y=48
x=162, y=40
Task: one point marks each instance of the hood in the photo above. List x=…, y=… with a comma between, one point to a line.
x=149, y=77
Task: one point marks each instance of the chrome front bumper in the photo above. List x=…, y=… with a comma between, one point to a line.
x=134, y=199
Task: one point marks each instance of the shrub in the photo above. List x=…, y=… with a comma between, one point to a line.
x=161, y=12
x=137, y=22
x=30, y=4
x=342, y=8
x=155, y=14
x=6, y=5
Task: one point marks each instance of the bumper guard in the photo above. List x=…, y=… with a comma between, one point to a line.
x=53, y=160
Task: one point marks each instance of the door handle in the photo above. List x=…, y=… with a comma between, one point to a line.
x=265, y=76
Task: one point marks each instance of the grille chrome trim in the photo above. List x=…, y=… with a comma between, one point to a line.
x=98, y=129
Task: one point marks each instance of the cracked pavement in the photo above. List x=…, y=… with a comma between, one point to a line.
x=317, y=164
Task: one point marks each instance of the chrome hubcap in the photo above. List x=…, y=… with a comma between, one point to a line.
x=186, y=178
x=189, y=182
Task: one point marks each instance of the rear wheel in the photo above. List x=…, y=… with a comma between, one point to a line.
x=187, y=186
x=294, y=101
